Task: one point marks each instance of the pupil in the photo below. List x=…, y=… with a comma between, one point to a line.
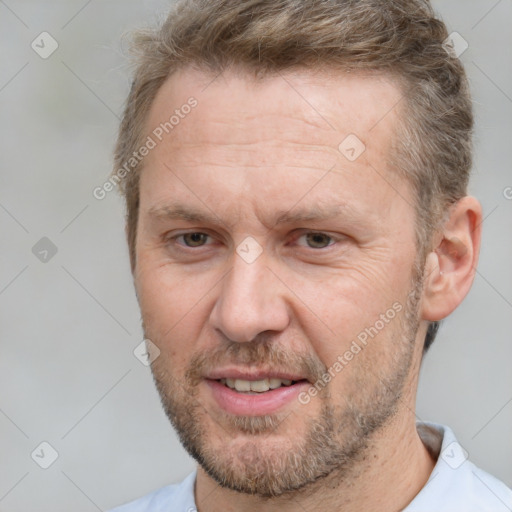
x=195, y=238
x=318, y=239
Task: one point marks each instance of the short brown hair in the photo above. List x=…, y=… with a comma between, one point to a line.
x=403, y=38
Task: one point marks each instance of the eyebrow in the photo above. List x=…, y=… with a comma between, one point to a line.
x=313, y=214
x=182, y=212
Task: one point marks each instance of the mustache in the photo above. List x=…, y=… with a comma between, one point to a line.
x=264, y=354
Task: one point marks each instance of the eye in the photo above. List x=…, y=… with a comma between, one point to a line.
x=193, y=239
x=317, y=240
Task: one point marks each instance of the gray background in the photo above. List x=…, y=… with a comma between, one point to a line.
x=69, y=326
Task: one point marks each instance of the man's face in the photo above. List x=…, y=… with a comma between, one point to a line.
x=264, y=254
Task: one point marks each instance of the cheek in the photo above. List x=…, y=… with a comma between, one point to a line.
x=172, y=307
x=347, y=309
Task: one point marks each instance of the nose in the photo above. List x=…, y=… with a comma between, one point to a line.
x=251, y=301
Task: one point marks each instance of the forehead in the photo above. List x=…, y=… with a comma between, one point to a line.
x=330, y=103
x=252, y=134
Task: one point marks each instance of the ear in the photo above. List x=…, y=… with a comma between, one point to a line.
x=450, y=268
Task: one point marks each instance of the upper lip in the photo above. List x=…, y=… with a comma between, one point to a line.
x=252, y=374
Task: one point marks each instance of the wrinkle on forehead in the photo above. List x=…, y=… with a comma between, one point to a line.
x=236, y=109
x=279, y=135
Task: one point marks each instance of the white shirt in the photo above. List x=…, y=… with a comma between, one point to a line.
x=455, y=485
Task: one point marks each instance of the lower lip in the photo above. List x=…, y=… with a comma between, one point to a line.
x=255, y=404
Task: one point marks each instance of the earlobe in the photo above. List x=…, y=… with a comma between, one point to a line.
x=450, y=267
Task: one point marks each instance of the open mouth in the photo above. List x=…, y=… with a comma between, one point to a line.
x=254, y=395
x=253, y=387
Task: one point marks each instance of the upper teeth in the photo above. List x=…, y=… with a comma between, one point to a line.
x=255, y=385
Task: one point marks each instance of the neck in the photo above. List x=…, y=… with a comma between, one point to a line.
x=395, y=468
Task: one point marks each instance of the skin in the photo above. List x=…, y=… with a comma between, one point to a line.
x=250, y=151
